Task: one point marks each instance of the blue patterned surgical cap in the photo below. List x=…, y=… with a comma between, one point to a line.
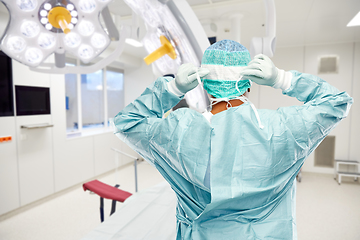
x=225, y=60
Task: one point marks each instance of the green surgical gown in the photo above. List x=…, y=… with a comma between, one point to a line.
x=232, y=179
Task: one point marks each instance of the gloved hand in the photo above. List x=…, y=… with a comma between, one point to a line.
x=262, y=71
x=186, y=78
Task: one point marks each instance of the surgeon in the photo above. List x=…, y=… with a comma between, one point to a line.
x=233, y=169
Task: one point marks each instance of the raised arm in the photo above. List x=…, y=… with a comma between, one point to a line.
x=136, y=123
x=324, y=105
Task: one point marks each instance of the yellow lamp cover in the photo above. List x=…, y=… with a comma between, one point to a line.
x=166, y=48
x=60, y=17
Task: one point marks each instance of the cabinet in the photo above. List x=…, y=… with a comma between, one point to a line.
x=35, y=156
x=9, y=178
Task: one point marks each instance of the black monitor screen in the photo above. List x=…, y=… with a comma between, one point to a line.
x=6, y=87
x=32, y=100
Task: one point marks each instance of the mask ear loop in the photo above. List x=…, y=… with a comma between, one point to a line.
x=228, y=105
x=198, y=76
x=237, y=82
x=257, y=115
x=200, y=82
x=242, y=98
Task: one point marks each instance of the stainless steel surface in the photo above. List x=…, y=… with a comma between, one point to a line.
x=34, y=126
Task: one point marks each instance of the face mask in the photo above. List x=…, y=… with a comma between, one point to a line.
x=226, y=89
x=241, y=98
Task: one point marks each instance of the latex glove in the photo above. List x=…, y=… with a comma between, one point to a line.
x=262, y=71
x=186, y=78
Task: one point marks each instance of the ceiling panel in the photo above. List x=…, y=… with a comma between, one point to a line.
x=216, y=1
x=331, y=8
x=233, y=1
x=197, y=2
x=292, y=10
x=250, y=9
x=328, y=30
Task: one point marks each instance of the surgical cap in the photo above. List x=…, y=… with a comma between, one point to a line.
x=225, y=60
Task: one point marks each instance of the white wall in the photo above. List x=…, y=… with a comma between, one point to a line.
x=354, y=148
x=305, y=59
x=136, y=81
x=78, y=159
x=40, y=162
x=73, y=158
x=287, y=59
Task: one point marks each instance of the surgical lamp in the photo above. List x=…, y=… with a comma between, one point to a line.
x=166, y=41
x=39, y=28
x=174, y=36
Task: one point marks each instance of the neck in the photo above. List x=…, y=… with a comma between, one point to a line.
x=222, y=106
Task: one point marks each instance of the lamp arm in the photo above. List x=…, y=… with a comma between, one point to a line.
x=266, y=45
x=110, y=25
x=270, y=18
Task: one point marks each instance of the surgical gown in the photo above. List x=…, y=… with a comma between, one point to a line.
x=232, y=179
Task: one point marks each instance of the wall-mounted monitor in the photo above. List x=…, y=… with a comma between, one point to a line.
x=32, y=100
x=6, y=87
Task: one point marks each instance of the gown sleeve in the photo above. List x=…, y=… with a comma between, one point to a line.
x=134, y=125
x=324, y=107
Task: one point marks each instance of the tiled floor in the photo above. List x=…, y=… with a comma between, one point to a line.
x=325, y=210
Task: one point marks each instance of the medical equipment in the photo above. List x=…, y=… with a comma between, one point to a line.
x=340, y=174
x=172, y=20
x=266, y=45
x=175, y=21
x=106, y=191
x=173, y=28
x=110, y=192
x=166, y=48
x=33, y=41
x=162, y=19
x=149, y=214
x=40, y=28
